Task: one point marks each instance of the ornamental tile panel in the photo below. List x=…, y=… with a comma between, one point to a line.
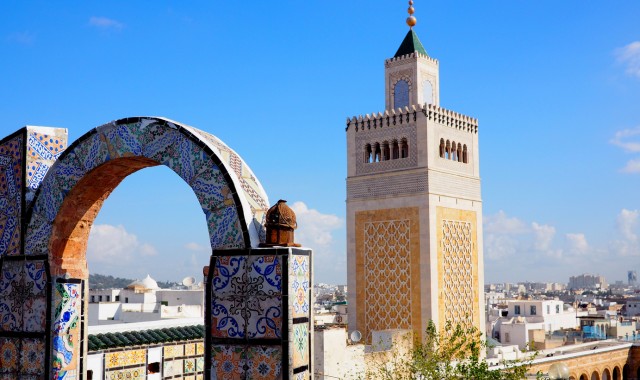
x=264, y=363
x=139, y=373
x=50, y=199
x=265, y=317
x=35, y=314
x=32, y=357
x=174, y=351
x=9, y=356
x=190, y=349
x=300, y=345
x=189, y=366
x=299, y=280
x=200, y=364
x=224, y=228
x=227, y=317
x=38, y=234
x=92, y=152
x=266, y=273
x=44, y=146
x=10, y=195
x=14, y=291
x=36, y=274
x=65, y=328
x=227, y=362
x=125, y=358
x=199, y=348
x=229, y=276
x=173, y=368
x=304, y=375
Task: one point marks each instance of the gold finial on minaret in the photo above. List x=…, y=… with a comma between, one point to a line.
x=411, y=21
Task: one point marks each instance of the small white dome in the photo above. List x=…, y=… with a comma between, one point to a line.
x=147, y=284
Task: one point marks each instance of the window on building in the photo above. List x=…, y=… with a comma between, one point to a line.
x=465, y=155
x=404, y=148
x=507, y=338
x=89, y=374
x=93, y=298
x=117, y=298
x=396, y=150
x=108, y=298
x=99, y=298
x=557, y=309
x=126, y=299
x=533, y=310
x=401, y=94
x=516, y=310
x=442, y=148
x=548, y=309
x=367, y=154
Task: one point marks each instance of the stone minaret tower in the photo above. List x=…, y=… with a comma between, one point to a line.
x=414, y=210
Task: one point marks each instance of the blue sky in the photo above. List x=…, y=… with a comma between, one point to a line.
x=555, y=86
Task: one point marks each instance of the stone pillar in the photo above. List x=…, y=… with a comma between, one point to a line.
x=259, y=311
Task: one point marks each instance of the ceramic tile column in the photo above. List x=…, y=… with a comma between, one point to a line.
x=260, y=314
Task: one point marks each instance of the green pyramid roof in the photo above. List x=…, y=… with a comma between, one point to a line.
x=410, y=44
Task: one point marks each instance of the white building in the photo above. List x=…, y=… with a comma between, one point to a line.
x=633, y=308
x=143, y=300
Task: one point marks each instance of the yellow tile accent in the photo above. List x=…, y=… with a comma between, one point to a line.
x=457, y=267
x=388, y=270
x=125, y=358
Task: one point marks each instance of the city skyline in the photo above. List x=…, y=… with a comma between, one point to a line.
x=554, y=86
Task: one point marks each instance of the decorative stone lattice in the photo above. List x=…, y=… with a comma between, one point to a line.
x=379, y=136
x=396, y=185
x=387, y=275
x=457, y=249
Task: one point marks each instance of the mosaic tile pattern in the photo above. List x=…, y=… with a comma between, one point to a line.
x=189, y=366
x=139, y=373
x=125, y=358
x=227, y=362
x=173, y=367
x=173, y=351
x=44, y=146
x=299, y=275
x=21, y=358
x=190, y=349
x=304, y=375
x=10, y=195
x=253, y=190
x=166, y=143
x=23, y=301
x=65, y=328
x=264, y=363
x=300, y=345
x=247, y=297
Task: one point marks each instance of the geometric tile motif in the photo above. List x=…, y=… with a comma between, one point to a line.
x=9, y=355
x=173, y=351
x=125, y=358
x=173, y=367
x=138, y=373
x=228, y=362
x=457, y=252
x=300, y=345
x=301, y=376
x=21, y=358
x=246, y=297
x=10, y=195
x=387, y=265
x=32, y=356
x=22, y=296
x=44, y=146
x=264, y=363
x=200, y=348
x=65, y=328
x=189, y=349
x=199, y=364
x=300, y=285
x=189, y=365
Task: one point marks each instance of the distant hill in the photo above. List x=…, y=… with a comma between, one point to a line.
x=100, y=281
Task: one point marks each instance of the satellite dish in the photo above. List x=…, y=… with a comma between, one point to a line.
x=356, y=336
x=188, y=281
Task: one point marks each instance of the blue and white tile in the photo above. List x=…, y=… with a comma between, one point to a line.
x=266, y=273
x=265, y=317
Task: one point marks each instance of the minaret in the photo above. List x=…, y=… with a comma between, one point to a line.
x=414, y=209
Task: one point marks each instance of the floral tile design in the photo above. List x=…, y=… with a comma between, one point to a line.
x=139, y=373
x=227, y=317
x=173, y=351
x=9, y=355
x=34, y=314
x=199, y=348
x=190, y=349
x=38, y=234
x=14, y=291
x=228, y=362
x=125, y=358
x=264, y=363
x=189, y=365
x=299, y=278
x=65, y=329
x=200, y=364
x=265, y=316
x=11, y=195
x=229, y=275
x=266, y=273
x=32, y=356
x=300, y=344
x=304, y=375
x=44, y=146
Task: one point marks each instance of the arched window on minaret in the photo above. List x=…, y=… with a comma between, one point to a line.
x=465, y=155
x=401, y=94
x=454, y=156
x=447, y=150
x=427, y=91
x=367, y=154
x=396, y=149
x=376, y=153
x=442, y=148
x=404, y=148
x=386, y=153
x=459, y=153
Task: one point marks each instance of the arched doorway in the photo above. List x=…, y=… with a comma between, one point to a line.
x=606, y=374
x=584, y=377
x=616, y=373
x=595, y=375
x=74, y=189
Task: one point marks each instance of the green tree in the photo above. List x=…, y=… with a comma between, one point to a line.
x=454, y=353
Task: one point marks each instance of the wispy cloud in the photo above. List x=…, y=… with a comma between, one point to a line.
x=629, y=56
x=105, y=23
x=192, y=246
x=627, y=139
x=114, y=245
x=22, y=38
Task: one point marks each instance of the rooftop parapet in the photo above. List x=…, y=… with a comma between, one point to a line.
x=407, y=114
x=400, y=59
